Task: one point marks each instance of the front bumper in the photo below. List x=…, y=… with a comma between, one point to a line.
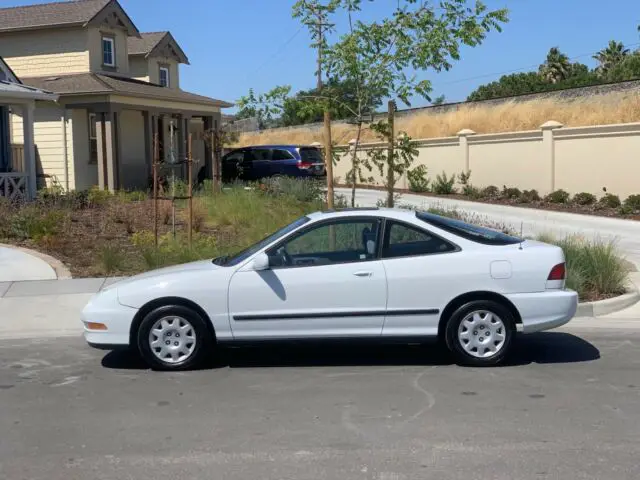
x=545, y=310
x=105, y=309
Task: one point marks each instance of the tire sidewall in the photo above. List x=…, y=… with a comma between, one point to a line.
x=203, y=337
x=454, y=322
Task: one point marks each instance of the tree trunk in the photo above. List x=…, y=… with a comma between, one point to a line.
x=354, y=160
x=390, y=155
x=328, y=154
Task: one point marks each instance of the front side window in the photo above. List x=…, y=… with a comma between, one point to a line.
x=164, y=76
x=108, y=52
x=403, y=240
x=342, y=241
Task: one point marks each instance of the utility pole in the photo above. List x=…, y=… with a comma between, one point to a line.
x=391, y=107
x=318, y=29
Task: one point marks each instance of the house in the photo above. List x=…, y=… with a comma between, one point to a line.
x=18, y=162
x=118, y=89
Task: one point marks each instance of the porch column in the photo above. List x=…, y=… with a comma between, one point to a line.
x=29, y=148
x=106, y=131
x=148, y=139
x=209, y=163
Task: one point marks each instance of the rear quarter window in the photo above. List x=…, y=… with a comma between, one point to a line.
x=468, y=231
x=311, y=155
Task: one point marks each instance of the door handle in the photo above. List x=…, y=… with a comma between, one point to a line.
x=363, y=273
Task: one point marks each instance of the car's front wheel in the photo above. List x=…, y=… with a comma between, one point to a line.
x=480, y=333
x=173, y=337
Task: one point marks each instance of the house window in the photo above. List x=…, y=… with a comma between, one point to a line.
x=93, y=139
x=164, y=76
x=108, y=52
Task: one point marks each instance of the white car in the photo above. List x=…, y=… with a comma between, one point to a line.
x=379, y=274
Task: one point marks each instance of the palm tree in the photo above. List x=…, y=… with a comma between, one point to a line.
x=556, y=67
x=611, y=56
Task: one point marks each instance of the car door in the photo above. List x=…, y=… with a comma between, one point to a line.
x=417, y=265
x=324, y=281
x=232, y=165
x=257, y=163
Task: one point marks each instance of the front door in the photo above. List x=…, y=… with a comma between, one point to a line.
x=325, y=281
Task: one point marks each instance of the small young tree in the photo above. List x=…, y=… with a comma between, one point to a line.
x=392, y=163
x=264, y=107
x=381, y=57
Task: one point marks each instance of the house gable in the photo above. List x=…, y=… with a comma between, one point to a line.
x=6, y=74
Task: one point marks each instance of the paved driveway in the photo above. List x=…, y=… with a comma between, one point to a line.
x=567, y=408
x=17, y=265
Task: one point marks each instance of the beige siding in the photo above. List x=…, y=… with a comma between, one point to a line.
x=95, y=49
x=174, y=70
x=139, y=68
x=50, y=151
x=85, y=173
x=48, y=52
x=134, y=173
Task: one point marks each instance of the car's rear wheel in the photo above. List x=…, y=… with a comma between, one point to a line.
x=480, y=333
x=173, y=337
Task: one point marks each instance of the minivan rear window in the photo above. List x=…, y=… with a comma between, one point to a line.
x=468, y=231
x=311, y=155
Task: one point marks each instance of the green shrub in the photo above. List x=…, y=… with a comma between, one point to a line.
x=584, y=198
x=530, y=196
x=471, y=191
x=33, y=223
x=133, y=196
x=490, y=192
x=633, y=203
x=558, y=196
x=418, y=181
x=444, y=185
x=301, y=189
x=111, y=259
x=464, y=177
x=95, y=196
x=609, y=201
x=511, y=193
x=594, y=268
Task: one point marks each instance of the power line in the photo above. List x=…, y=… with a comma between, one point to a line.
x=278, y=51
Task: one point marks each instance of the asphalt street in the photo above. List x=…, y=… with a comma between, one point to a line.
x=566, y=407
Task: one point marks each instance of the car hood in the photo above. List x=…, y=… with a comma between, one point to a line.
x=161, y=272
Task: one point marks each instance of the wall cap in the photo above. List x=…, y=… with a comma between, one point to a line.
x=551, y=124
x=465, y=132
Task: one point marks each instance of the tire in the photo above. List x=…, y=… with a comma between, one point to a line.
x=185, y=330
x=473, y=344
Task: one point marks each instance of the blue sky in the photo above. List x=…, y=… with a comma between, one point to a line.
x=239, y=44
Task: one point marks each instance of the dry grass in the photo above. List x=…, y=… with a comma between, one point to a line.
x=507, y=117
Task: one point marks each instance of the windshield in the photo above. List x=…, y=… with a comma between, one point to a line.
x=467, y=231
x=229, y=261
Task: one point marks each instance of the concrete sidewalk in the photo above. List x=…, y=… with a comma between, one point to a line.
x=19, y=265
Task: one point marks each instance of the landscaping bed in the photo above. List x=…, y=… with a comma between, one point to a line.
x=98, y=234
x=597, y=208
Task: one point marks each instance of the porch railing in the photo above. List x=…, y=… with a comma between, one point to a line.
x=17, y=158
x=13, y=186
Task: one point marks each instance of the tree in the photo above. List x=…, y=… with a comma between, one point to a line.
x=628, y=69
x=265, y=107
x=381, y=57
x=438, y=100
x=611, y=56
x=556, y=67
x=508, y=86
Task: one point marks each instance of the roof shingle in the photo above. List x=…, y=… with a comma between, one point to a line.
x=76, y=12
x=97, y=83
x=144, y=44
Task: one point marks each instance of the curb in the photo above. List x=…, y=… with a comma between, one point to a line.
x=61, y=271
x=610, y=305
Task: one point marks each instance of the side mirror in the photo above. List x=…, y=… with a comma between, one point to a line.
x=261, y=262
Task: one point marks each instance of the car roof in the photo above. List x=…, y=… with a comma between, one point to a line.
x=276, y=146
x=397, y=213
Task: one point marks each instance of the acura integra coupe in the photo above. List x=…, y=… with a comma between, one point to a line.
x=377, y=274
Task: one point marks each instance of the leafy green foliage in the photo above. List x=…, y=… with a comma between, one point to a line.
x=609, y=201
x=111, y=259
x=609, y=57
x=584, y=198
x=558, y=196
x=444, y=185
x=31, y=222
x=490, y=192
x=530, y=196
x=418, y=180
x=633, y=203
x=265, y=107
x=511, y=193
x=556, y=67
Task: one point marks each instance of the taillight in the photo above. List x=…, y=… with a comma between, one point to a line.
x=304, y=165
x=559, y=272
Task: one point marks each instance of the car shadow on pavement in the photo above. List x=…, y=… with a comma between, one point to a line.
x=538, y=348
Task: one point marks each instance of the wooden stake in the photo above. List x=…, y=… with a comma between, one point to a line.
x=156, y=154
x=390, y=154
x=190, y=190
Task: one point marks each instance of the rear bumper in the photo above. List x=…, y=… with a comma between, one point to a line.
x=545, y=310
